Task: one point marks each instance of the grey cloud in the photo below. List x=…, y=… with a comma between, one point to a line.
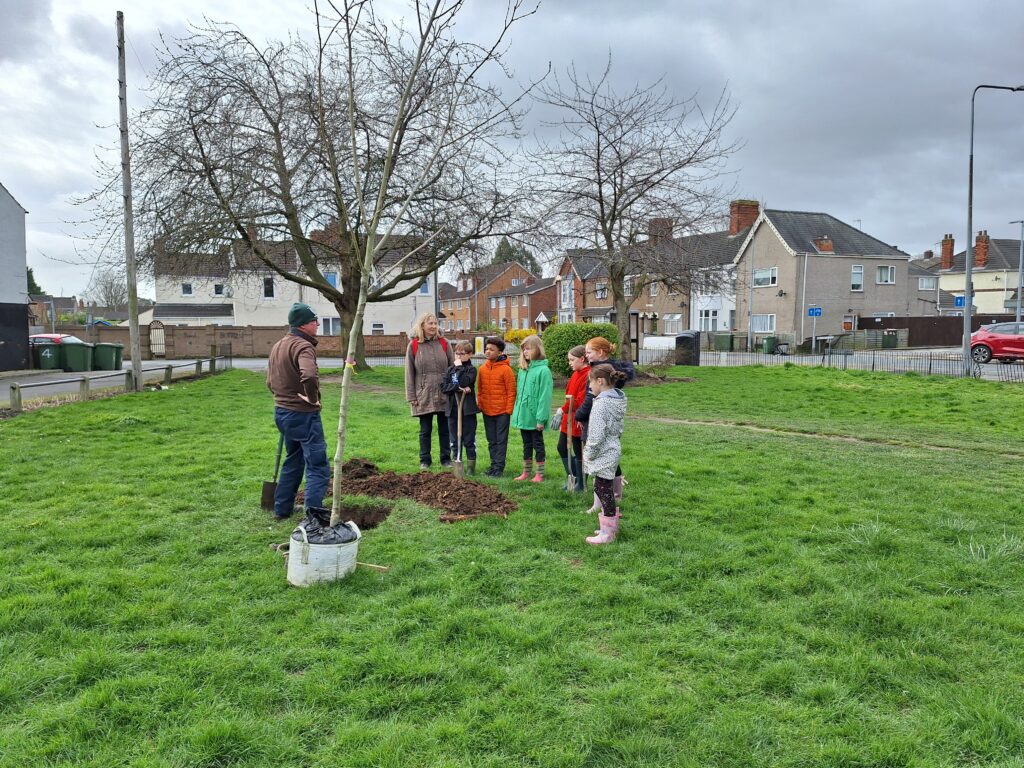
x=24, y=30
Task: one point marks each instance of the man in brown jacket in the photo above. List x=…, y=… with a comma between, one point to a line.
x=293, y=377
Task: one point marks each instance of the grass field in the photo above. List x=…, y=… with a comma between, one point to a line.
x=817, y=568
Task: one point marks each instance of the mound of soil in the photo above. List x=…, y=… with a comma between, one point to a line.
x=366, y=517
x=461, y=499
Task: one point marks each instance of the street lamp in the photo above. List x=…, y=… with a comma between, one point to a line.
x=968, y=249
x=1020, y=269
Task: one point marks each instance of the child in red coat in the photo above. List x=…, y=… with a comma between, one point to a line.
x=575, y=394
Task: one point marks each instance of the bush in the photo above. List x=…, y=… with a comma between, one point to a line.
x=559, y=339
x=516, y=335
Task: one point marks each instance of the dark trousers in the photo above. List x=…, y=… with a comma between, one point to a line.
x=305, y=449
x=563, y=446
x=443, y=441
x=533, y=443
x=468, y=434
x=606, y=495
x=496, y=429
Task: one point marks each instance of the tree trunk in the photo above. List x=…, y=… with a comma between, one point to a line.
x=625, y=350
x=347, y=313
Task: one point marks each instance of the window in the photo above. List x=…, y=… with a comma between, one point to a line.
x=526, y=302
x=501, y=302
x=567, y=297
x=762, y=323
x=709, y=319
x=763, y=278
x=627, y=286
x=186, y=289
x=425, y=287
x=494, y=302
x=653, y=325
x=459, y=302
x=601, y=291
x=331, y=326
x=268, y=287
x=515, y=301
x=458, y=325
x=377, y=329
x=504, y=323
x=331, y=278
x=653, y=290
x=857, y=277
x=673, y=324
x=516, y=281
x=451, y=325
x=886, y=275
x=218, y=289
x=927, y=283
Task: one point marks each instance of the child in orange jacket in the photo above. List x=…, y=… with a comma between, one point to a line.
x=496, y=397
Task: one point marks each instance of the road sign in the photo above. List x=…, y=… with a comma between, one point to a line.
x=958, y=301
x=814, y=311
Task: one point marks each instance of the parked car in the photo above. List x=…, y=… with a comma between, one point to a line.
x=53, y=338
x=1000, y=341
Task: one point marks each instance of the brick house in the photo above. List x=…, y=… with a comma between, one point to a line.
x=530, y=305
x=466, y=307
x=993, y=273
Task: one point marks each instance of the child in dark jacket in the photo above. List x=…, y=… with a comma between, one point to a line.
x=459, y=381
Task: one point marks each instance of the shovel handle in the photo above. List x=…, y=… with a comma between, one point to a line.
x=277, y=464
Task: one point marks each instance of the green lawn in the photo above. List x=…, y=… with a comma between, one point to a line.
x=777, y=597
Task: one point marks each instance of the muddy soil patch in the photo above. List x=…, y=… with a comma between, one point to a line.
x=458, y=498
x=366, y=517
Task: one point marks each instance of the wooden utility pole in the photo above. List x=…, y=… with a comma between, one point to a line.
x=129, y=230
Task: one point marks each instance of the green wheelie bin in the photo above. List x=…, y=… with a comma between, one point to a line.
x=107, y=357
x=769, y=344
x=77, y=358
x=46, y=357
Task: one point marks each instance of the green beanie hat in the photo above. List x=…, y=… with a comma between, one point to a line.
x=300, y=314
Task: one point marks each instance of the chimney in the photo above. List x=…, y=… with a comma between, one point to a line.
x=824, y=244
x=947, y=251
x=742, y=214
x=658, y=230
x=929, y=254
x=981, y=249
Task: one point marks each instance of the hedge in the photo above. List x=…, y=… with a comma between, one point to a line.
x=559, y=339
x=516, y=335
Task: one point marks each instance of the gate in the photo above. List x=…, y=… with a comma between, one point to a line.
x=156, y=339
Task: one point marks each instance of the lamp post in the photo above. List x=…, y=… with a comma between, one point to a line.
x=1020, y=269
x=968, y=249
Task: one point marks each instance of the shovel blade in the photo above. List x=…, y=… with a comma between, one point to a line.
x=267, y=498
x=457, y=468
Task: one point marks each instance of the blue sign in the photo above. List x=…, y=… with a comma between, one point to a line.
x=958, y=301
x=814, y=311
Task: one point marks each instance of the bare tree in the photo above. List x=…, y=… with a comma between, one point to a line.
x=621, y=161
x=379, y=152
x=107, y=288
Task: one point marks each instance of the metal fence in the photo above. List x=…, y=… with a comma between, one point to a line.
x=925, y=363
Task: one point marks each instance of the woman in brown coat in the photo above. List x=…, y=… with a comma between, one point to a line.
x=426, y=361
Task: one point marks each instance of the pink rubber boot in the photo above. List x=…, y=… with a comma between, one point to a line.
x=609, y=530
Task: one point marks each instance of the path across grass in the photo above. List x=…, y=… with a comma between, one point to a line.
x=776, y=598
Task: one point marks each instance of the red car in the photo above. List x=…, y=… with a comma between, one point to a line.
x=1002, y=341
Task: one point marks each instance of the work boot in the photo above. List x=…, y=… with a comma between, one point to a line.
x=424, y=467
x=608, y=531
x=471, y=466
x=581, y=481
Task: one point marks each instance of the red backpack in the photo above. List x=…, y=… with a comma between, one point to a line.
x=416, y=345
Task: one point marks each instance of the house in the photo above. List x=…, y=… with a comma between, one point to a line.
x=696, y=290
x=466, y=308
x=14, y=299
x=530, y=305
x=47, y=310
x=234, y=287
x=993, y=273
x=794, y=261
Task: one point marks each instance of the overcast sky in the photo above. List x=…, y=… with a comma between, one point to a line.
x=857, y=109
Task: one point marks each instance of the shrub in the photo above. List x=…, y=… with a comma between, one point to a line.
x=559, y=339
x=516, y=335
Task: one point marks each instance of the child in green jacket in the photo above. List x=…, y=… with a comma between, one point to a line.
x=533, y=405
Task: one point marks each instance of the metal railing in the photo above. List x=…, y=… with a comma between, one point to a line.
x=85, y=382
